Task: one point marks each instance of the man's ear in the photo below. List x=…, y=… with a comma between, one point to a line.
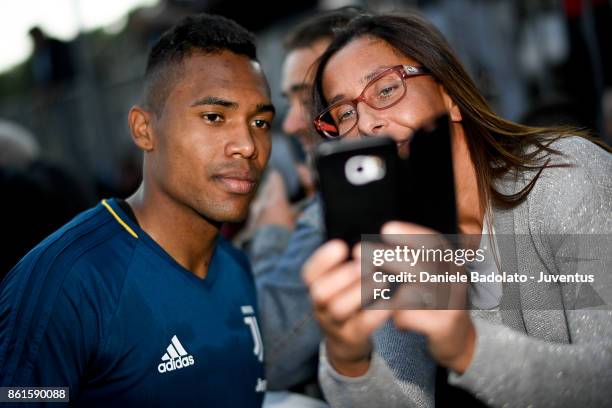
x=451, y=107
x=139, y=121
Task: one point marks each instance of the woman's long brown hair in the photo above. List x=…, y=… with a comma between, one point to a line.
x=497, y=146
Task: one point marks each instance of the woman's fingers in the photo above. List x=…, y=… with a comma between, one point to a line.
x=345, y=303
x=325, y=258
x=330, y=285
x=398, y=227
x=334, y=285
x=370, y=320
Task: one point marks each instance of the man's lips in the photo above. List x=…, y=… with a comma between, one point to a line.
x=237, y=182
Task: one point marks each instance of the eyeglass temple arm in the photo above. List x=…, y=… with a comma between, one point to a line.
x=410, y=70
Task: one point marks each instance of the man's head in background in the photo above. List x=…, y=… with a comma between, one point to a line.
x=304, y=46
x=204, y=124
x=18, y=147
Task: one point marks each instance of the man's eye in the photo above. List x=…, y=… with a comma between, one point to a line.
x=306, y=103
x=212, y=117
x=261, y=124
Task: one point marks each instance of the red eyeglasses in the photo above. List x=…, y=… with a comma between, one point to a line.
x=382, y=92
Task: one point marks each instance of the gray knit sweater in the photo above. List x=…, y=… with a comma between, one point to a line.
x=536, y=351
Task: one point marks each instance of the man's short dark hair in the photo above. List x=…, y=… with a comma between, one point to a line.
x=202, y=33
x=323, y=25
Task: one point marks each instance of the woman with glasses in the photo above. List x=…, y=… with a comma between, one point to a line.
x=535, y=344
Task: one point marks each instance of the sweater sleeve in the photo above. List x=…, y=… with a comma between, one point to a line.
x=569, y=210
x=401, y=374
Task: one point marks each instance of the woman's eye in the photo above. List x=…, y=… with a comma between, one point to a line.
x=387, y=91
x=345, y=115
x=261, y=124
x=212, y=117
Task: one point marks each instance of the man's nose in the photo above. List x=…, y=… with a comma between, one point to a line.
x=241, y=143
x=295, y=120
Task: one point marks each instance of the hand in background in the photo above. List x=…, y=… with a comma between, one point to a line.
x=306, y=179
x=271, y=206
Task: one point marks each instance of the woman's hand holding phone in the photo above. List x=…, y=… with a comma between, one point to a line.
x=450, y=333
x=335, y=289
x=355, y=207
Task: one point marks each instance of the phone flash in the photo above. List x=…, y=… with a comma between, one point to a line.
x=361, y=169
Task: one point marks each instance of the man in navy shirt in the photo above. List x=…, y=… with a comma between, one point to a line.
x=141, y=302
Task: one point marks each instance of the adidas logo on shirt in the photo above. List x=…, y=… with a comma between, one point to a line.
x=175, y=358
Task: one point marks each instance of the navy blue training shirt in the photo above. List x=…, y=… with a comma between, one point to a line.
x=99, y=307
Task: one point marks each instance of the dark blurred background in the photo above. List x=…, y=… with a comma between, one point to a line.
x=64, y=141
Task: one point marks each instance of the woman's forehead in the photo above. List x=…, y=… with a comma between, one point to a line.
x=353, y=65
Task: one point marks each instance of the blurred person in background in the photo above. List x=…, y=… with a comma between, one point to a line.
x=141, y=302
x=39, y=196
x=18, y=147
x=52, y=60
x=283, y=237
x=389, y=75
x=483, y=34
x=588, y=72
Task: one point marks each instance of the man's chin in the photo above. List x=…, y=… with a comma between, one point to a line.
x=220, y=208
x=228, y=215
x=234, y=219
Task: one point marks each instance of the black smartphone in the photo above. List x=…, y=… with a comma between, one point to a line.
x=364, y=183
x=359, y=183
x=428, y=182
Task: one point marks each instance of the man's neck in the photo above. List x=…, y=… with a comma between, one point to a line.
x=469, y=208
x=183, y=233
